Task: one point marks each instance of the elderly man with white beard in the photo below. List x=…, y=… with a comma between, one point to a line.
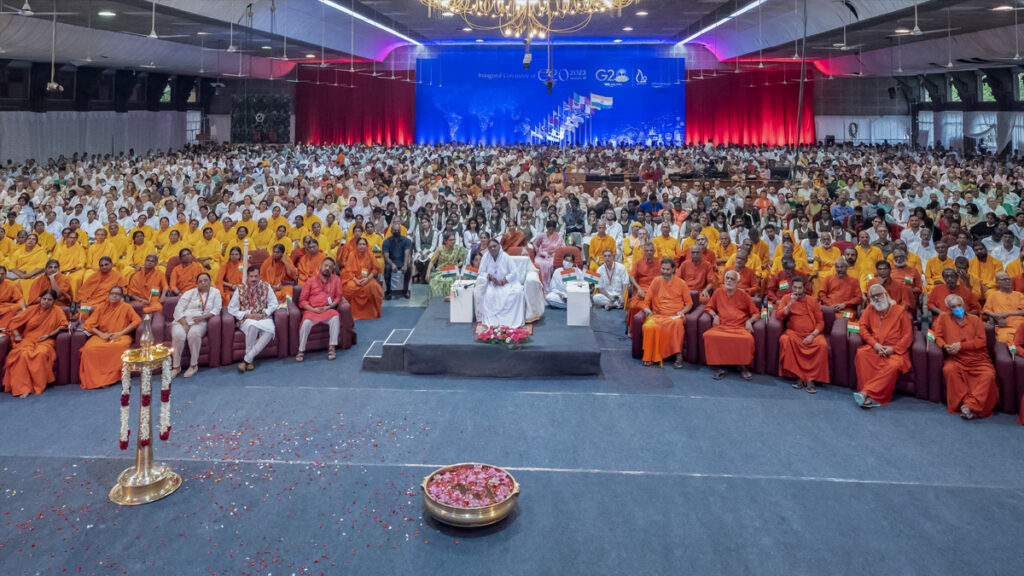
x=887, y=335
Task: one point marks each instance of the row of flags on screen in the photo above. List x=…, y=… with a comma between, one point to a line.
x=569, y=115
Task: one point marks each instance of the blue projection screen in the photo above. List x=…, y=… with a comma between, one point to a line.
x=479, y=94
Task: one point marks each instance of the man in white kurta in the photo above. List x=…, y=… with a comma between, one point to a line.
x=611, y=286
x=499, y=296
x=558, y=291
x=253, y=306
x=191, y=314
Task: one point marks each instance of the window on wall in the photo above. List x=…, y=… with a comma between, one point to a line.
x=954, y=93
x=193, y=125
x=926, y=96
x=166, y=96
x=986, y=90
x=1020, y=85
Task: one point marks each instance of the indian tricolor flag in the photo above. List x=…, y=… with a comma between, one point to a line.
x=784, y=285
x=470, y=273
x=598, y=102
x=931, y=336
x=908, y=279
x=764, y=313
x=853, y=327
x=569, y=275
x=86, y=308
x=847, y=315
x=154, y=291
x=1013, y=349
x=448, y=272
x=592, y=277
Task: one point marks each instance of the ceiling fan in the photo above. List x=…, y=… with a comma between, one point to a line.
x=152, y=30
x=841, y=45
x=26, y=10
x=231, y=49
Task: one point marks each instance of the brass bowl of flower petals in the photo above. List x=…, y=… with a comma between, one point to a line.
x=470, y=495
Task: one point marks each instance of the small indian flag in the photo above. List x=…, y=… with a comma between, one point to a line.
x=591, y=277
x=764, y=313
x=469, y=273
x=771, y=307
x=908, y=279
x=1013, y=349
x=86, y=308
x=851, y=327
x=784, y=285
x=569, y=275
x=599, y=102
x=931, y=336
x=847, y=314
x=448, y=272
x=376, y=248
x=870, y=277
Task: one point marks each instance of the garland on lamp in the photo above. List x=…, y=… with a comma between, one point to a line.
x=146, y=379
x=126, y=389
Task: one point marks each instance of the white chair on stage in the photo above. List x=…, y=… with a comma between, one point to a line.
x=527, y=274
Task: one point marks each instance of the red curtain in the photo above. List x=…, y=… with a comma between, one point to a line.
x=727, y=110
x=377, y=110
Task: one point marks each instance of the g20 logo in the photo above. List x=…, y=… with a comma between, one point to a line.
x=558, y=75
x=612, y=77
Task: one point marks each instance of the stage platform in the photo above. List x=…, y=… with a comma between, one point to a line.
x=436, y=346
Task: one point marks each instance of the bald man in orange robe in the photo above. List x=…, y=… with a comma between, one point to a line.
x=310, y=261
x=840, y=290
x=887, y=333
x=749, y=282
x=782, y=281
x=730, y=341
x=149, y=285
x=951, y=284
x=667, y=303
x=645, y=270
x=183, y=276
x=96, y=288
x=902, y=293
x=698, y=271
x=803, y=350
x=970, y=376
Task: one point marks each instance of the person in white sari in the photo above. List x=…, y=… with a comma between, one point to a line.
x=558, y=291
x=499, y=296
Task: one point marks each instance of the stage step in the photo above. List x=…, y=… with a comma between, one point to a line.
x=388, y=355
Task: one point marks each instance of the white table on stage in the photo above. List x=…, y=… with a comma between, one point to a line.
x=577, y=304
x=461, y=311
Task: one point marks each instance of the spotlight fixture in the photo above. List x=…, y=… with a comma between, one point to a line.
x=467, y=29
x=107, y=13
x=617, y=40
x=902, y=31
x=642, y=13
x=479, y=40
x=627, y=28
x=1003, y=8
x=310, y=55
x=266, y=47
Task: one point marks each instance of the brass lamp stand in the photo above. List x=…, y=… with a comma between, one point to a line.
x=146, y=481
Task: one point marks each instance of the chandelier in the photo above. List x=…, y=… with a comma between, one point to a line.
x=527, y=19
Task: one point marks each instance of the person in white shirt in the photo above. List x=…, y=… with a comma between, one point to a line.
x=558, y=291
x=1006, y=251
x=194, y=309
x=611, y=287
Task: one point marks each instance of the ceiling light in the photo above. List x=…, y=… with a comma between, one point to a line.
x=447, y=14
x=467, y=29
x=1003, y=8
x=373, y=23
x=617, y=40
x=627, y=28
x=902, y=30
x=642, y=13
x=266, y=48
x=202, y=33
x=479, y=39
x=107, y=13
x=310, y=55
x=711, y=27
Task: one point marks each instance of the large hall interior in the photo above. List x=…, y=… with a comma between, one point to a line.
x=530, y=287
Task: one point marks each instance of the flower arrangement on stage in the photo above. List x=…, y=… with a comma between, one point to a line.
x=147, y=399
x=512, y=337
x=470, y=486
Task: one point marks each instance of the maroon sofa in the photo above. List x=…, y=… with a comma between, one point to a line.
x=692, y=341
x=319, y=337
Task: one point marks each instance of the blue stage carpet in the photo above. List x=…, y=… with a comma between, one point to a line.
x=315, y=469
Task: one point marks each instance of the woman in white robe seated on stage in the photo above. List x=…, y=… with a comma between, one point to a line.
x=499, y=295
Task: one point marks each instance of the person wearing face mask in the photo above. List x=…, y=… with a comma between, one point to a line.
x=968, y=371
x=887, y=334
x=557, y=293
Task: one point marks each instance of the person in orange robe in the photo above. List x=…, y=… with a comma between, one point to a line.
x=1005, y=308
x=110, y=325
x=887, y=333
x=840, y=290
x=359, y=283
x=903, y=273
x=968, y=371
x=749, y=281
x=730, y=341
x=309, y=264
x=645, y=270
x=96, y=288
x=951, y=285
x=1018, y=342
x=11, y=298
x=803, y=350
x=149, y=285
x=52, y=279
x=513, y=242
x=667, y=303
x=781, y=282
x=279, y=272
x=698, y=272
x=901, y=292
x=184, y=275
x=229, y=277
x=29, y=365
x=346, y=249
